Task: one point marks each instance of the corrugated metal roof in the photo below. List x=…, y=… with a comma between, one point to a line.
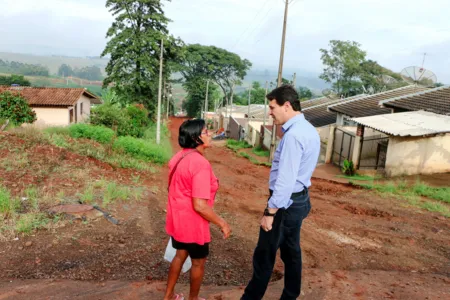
x=46, y=96
x=436, y=100
x=413, y=123
x=369, y=105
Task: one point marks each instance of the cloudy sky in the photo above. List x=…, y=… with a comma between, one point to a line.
x=396, y=33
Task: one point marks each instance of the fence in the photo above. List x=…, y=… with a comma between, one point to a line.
x=373, y=152
x=343, y=146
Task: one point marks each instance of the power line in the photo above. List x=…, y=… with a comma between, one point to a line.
x=245, y=31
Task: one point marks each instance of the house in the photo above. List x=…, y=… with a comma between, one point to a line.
x=57, y=106
x=418, y=142
x=369, y=105
x=435, y=100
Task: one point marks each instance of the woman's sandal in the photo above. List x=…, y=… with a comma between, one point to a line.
x=178, y=297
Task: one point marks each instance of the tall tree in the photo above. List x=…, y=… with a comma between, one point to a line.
x=134, y=46
x=65, y=70
x=342, y=64
x=224, y=68
x=195, y=100
x=304, y=93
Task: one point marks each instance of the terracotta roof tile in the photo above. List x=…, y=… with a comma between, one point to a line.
x=45, y=96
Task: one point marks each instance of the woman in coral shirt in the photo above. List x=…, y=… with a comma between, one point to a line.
x=192, y=188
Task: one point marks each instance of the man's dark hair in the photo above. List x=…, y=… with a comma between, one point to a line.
x=283, y=94
x=190, y=132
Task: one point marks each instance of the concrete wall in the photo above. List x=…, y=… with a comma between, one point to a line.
x=418, y=155
x=253, y=135
x=85, y=103
x=51, y=116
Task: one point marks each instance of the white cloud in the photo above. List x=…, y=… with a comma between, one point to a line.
x=394, y=32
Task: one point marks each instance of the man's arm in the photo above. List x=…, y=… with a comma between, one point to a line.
x=290, y=158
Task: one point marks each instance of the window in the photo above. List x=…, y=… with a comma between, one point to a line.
x=81, y=108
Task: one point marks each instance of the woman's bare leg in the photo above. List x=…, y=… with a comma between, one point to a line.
x=174, y=272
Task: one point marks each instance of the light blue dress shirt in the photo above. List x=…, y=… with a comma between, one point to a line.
x=294, y=161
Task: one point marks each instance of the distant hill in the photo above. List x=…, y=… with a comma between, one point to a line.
x=314, y=83
x=53, y=62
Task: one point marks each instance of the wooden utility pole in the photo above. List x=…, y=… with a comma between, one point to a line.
x=280, y=77
x=265, y=105
x=231, y=100
x=169, y=97
x=206, y=98
x=294, y=80
x=249, y=102
x=158, y=122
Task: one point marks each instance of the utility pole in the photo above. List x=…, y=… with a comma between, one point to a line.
x=248, y=113
x=158, y=122
x=280, y=77
x=164, y=95
x=206, y=98
x=231, y=100
x=168, y=100
x=265, y=105
x=294, y=79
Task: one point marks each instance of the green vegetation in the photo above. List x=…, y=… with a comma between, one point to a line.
x=8, y=205
x=23, y=69
x=412, y=193
x=358, y=177
x=88, y=73
x=348, y=168
x=261, y=152
x=14, y=79
x=346, y=67
x=224, y=69
x=236, y=145
x=129, y=121
x=97, y=133
x=15, y=108
x=134, y=65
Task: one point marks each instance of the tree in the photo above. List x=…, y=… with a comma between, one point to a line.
x=195, y=100
x=15, y=108
x=224, y=68
x=14, y=79
x=134, y=46
x=343, y=66
x=304, y=93
x=65, y=70
x=257, y=95
x=88, y=73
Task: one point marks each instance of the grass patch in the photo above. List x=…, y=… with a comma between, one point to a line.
x=359, y=177
x=142, y=149
x=88, y=195
x=412, y=193
x=97, y=133
x=437, y=207
x=27, y=223
x=114, y=192
x=261, y=152
x=8, y=204
x=237, y=145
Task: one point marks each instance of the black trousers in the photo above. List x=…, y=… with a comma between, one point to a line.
x=285, y=235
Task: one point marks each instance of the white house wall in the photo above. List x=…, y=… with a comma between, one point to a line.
x=418, y=155
x=51, y=116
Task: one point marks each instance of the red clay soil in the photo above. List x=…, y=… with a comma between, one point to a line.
x=355, y=245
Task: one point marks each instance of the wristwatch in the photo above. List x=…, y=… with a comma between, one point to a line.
x=268, y=214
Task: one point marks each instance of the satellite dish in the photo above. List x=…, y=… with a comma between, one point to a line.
x=418, y=76
x=329, y=93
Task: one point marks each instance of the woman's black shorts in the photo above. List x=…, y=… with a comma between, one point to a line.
x=195, y=251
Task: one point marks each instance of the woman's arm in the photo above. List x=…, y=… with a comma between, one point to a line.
x=203, y=209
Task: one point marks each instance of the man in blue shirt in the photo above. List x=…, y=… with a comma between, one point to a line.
x=290, y=177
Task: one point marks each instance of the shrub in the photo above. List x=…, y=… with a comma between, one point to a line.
x=348, y=168
x=130, y=121
x=97, y=133
x=142, y=149
x=15, y=108
x=8, y=205
x=139, y=120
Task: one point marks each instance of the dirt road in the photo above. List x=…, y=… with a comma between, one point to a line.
x=355, y=246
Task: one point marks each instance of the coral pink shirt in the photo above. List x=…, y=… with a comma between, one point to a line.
x=193, y=178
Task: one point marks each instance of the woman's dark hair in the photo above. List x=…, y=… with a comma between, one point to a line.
x=190, y=132
x=285, y=93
